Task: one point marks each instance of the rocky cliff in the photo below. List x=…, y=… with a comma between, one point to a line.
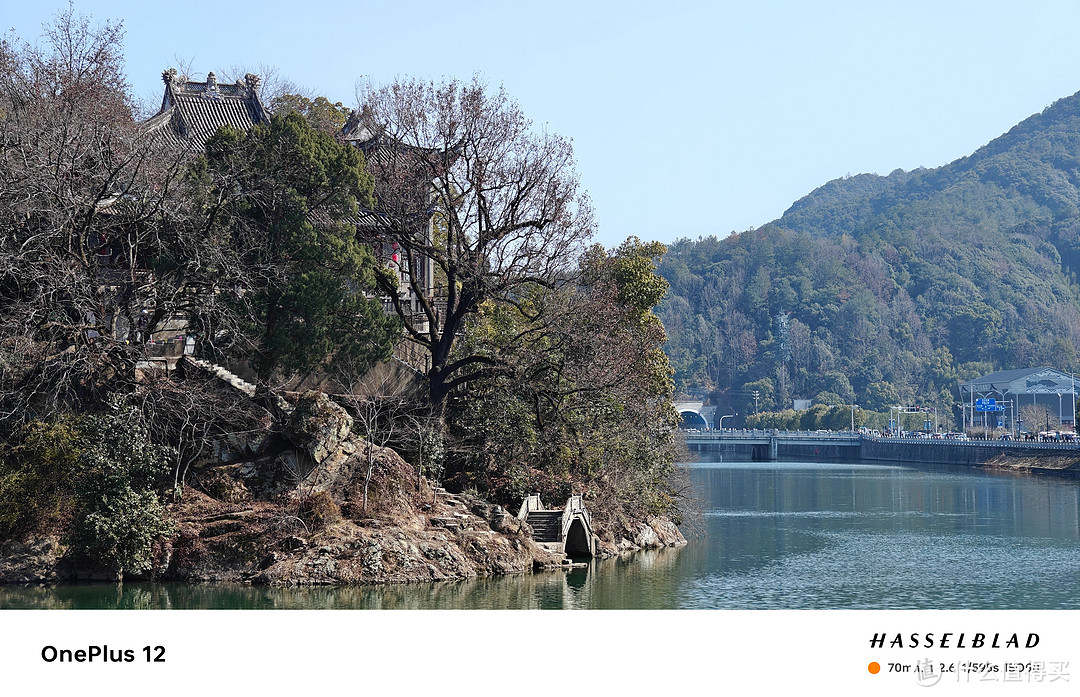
x=296, y=514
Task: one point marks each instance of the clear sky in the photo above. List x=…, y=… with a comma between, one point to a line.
x=688, y=118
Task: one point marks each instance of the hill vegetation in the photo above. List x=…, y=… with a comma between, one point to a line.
x=882, y=290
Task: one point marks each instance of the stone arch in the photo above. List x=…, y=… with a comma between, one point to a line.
x=578, y=542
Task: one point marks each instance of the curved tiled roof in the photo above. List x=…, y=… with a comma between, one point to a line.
x=193, y=111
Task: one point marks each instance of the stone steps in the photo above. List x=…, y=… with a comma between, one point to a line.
x=233, y=515
x=546, y=525
x=455, y=516
x=452, y=524
x=235, y=381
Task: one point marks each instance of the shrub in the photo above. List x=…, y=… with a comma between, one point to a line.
x=36, y=475
x=120, y=473
x=319, y=510
x=119, y=532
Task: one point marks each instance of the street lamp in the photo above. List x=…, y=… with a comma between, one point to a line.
x=853, y=417
x=721, y=424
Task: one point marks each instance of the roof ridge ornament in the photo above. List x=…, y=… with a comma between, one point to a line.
x=211, y=93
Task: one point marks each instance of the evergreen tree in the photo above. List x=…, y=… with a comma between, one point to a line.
x=283, y=199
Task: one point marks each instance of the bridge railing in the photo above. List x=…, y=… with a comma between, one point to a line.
x=972, y=443
x=531, y=503
x=575, y=510
x=759, y=436
x=575, y=507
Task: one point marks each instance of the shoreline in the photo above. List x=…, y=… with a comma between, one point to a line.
x=248, y=544
x=326, y=507
x=1061, y=465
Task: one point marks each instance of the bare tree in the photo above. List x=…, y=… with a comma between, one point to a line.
x=272, y=85
x=198, y=417
x=82, y=189
x=1038, y=417
x=376, y=407
x=504, y=201
x=425, y=437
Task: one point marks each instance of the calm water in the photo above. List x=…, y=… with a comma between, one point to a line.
x=771, y=535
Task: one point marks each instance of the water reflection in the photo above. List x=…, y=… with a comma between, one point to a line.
x=643, y=580
x=792, y=535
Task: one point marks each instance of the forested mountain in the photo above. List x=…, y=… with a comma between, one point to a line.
x=881, y=289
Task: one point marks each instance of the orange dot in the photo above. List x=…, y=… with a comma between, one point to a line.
x=874, y=668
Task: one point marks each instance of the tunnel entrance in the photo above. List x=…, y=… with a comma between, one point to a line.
x=692, y=419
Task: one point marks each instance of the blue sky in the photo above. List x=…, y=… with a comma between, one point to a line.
x=687, y=118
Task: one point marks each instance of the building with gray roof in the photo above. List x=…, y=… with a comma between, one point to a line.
x=192, y=111
x=1045, y=388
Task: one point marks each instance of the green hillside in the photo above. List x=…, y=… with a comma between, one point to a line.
x=876, y=289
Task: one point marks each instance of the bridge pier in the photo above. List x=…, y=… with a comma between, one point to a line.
x=764, y=452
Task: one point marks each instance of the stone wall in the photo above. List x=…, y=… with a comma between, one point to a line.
x=969, y=453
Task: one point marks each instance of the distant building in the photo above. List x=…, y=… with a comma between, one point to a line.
x=1015, y=389
x=408, y=198
x=193, y=111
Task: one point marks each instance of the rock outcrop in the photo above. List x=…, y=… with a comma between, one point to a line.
x=292, y=511
x=318, y=426
x=634, y=536
x=36, y=561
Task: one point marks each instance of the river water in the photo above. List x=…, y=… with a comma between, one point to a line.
x=782, y=535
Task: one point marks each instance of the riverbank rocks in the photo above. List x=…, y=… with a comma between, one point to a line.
x=1045, y=463
x=293, y=512
x=409, y=532
x=633, y=536
x=32, y=562
x=318, y=425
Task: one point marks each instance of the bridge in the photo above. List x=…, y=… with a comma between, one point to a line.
x=566, y=530
x=765, y=445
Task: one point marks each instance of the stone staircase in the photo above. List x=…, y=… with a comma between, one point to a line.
x=224, y=375
x=225, y=523
x=236, y=382
x=546, y=525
